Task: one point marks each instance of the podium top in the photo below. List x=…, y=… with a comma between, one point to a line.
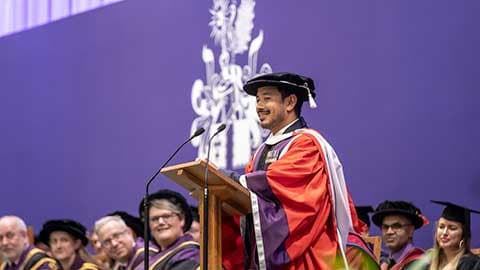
x=190, y=175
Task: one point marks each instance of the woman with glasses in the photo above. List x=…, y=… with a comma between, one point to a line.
x=67, y=240
x=170, y=219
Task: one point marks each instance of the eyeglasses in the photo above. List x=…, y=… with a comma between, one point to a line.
x=107, y=243
x=394, y=226
x=166, y=218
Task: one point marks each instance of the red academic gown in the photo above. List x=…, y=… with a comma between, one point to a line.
x=294, y=224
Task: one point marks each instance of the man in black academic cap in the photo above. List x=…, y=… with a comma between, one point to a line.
x=301, y=210
x=398, y=221
x=452, y=236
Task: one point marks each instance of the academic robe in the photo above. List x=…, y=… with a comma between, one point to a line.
x=32, y=259
x=80, y=264
x=183, y=254
x=408, y=259
x=301, y=210
x=137, y=256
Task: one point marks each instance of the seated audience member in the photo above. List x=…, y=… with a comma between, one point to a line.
x=99, y=254
x=17, y=253
x=135, y=224
x=398, y=221
x=170, y=219
x=195, y=227
x=118, y=242
x=67, y=240
x=452, y=236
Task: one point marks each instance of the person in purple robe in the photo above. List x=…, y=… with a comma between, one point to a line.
x=17, y=252
x=125, y=252
x=67, y=239
x=170, y=219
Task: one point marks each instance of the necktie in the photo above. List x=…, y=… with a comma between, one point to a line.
x=263, y=156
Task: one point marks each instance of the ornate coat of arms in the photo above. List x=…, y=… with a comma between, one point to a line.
x=220, y=98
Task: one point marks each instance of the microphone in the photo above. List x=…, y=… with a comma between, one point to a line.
x=197, y=133
x=146, y=214
x=205, y=200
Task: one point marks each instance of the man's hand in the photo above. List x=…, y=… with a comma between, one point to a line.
x=232, y=174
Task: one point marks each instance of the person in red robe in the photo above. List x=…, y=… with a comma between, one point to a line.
x=398, y=221
x=302, y=212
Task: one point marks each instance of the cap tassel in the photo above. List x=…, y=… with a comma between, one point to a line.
x=424, y=219
x=311, y=101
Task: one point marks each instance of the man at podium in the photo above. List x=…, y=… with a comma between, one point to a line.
x=301, y=209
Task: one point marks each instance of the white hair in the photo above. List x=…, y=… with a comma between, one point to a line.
x=19, y=223
x=105, y=220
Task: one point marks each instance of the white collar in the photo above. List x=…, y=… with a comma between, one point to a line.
x=279, y=136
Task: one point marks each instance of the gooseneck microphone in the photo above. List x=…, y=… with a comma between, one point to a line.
x=205, y=200
x=146, y=214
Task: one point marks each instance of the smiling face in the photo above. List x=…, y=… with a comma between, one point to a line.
x=449, y=234
x=166, y=225
x=117, y=241
x=63, y=245
x=275, y=112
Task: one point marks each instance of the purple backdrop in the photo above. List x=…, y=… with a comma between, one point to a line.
x=90, y=106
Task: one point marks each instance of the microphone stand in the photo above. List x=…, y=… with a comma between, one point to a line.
x=146, y=213
x=205, y=201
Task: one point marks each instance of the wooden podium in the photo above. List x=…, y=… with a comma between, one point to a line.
x=225, y=197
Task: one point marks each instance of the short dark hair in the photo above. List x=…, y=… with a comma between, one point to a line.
x=285, y=92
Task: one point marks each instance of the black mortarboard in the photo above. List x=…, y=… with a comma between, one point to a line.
x=457, y=213
x=362, y=213
x=134, y=223
x=174, y=198
x=69, y=226
x=303, y=87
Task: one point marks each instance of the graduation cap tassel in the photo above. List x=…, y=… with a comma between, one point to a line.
x=311, y=101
